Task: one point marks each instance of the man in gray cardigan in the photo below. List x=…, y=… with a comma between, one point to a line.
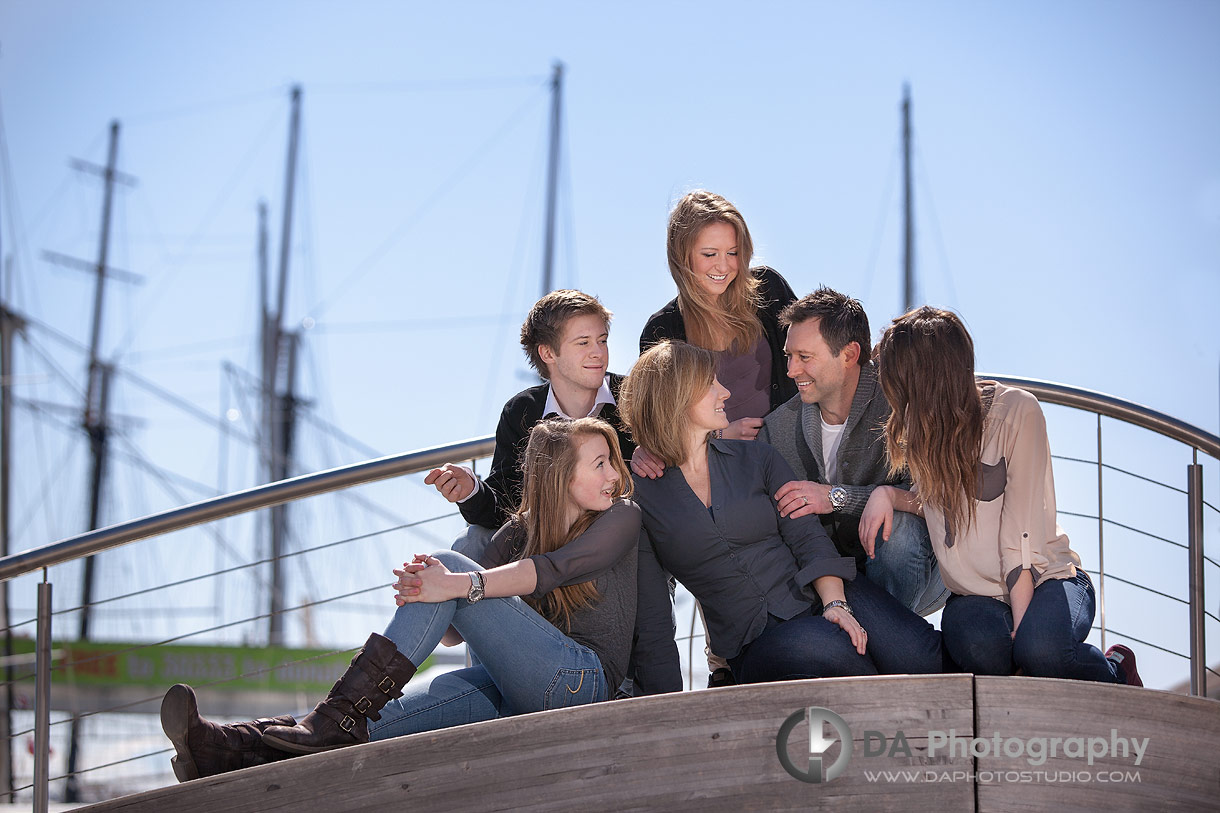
x=831, y=433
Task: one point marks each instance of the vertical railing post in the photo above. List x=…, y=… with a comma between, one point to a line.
x=1194, y=519
x=42, y=700
x=1101, y=539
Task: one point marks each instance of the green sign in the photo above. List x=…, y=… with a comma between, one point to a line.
x=228, y=668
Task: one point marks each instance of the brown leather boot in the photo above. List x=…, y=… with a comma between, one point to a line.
x=376, y=676
x=206, y=748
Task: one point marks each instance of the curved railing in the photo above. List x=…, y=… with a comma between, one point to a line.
x=228, y=505
x=1108, y=406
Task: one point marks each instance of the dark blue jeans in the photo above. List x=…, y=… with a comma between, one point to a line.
x=809, y=646
x=1049, y=643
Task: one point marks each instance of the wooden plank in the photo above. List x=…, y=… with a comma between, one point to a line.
x=706, y=750
x=1179, y=771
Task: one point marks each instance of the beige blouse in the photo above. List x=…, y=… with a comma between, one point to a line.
x=1015, y=526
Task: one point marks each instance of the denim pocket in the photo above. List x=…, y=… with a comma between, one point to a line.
x=572, y=687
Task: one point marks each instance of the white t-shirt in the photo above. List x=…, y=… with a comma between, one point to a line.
x=832, y=435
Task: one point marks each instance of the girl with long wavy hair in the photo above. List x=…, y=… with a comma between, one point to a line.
x=980, y=460
x=726, y=306
x=547, y=615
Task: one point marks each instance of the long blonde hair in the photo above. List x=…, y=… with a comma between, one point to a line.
x=732, y=315
x=926, y=367
x=656, y=398
x=547, y=466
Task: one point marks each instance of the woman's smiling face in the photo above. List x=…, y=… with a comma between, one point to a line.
x=714, y=258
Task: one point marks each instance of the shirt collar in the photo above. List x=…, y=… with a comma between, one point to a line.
x=604, y=396
x=723, y=446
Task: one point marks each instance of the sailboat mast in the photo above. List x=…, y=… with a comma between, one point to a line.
x=908, y=206
x=97, y=428
x=281, y=423
x=9, y=325
x=552, y=179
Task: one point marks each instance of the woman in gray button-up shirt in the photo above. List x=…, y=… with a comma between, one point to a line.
x=780, y=602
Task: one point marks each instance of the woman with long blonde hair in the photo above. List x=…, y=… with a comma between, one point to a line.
x=980, y=460
x=726, y=306
x=548, y=616
x=779, y=600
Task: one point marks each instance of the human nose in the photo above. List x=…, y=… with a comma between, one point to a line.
x=793, y=371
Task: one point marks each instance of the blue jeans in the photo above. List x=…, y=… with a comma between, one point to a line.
x=905, y=565
x=809, y=646
x=473, y=541
x=1049, y=643
x=525, y=663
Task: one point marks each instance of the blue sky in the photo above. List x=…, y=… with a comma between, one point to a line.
x=1067, y=194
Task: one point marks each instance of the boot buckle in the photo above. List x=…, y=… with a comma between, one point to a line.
x=347, y=723
x=386, y=685
x=363, y=704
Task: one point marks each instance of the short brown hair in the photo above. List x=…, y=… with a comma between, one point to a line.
x=546, y=319
x=657, y=396
x=843, y=320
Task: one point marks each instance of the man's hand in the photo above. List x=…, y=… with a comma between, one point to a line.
x=743, y=428
x=452, y=481
x=798, y=498
x=645, y=464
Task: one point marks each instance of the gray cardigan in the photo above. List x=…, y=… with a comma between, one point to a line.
x=795, y=429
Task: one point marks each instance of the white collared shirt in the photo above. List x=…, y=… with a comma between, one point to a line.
x=604, y=396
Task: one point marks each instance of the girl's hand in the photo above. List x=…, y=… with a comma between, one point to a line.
x=878, y=516
x=849, y=624
x=743, y=428
x=427, y=579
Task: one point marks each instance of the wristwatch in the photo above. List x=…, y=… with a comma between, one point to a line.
x=838, y=498
x=837, y=603
x=476, y=587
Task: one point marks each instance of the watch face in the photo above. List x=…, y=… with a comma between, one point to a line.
x=838, y=497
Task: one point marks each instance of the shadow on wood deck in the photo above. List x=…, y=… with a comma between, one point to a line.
x=716, y=750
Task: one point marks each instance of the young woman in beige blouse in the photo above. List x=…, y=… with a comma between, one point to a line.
x=980, y=459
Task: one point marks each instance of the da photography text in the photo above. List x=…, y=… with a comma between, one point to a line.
x=826, y=728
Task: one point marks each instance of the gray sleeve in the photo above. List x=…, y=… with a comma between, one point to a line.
x=815, y=554
x=592, y=553
x=502, y=547
x=656, y=668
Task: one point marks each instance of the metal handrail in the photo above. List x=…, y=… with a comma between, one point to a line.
x=310, y=485
x=1111, y=407
x=239, y=502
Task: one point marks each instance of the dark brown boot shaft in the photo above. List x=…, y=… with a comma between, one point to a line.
x=377, y=675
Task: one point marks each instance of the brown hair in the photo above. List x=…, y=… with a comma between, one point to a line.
x=547, y=466
x=842, y=320
x=657, y=396
x=926, y=367
x=544, y=324
x=734, y=314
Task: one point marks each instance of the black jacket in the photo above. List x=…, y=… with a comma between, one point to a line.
x=498, y=494
x=667, y=323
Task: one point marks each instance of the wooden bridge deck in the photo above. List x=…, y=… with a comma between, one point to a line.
x=716, y=750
